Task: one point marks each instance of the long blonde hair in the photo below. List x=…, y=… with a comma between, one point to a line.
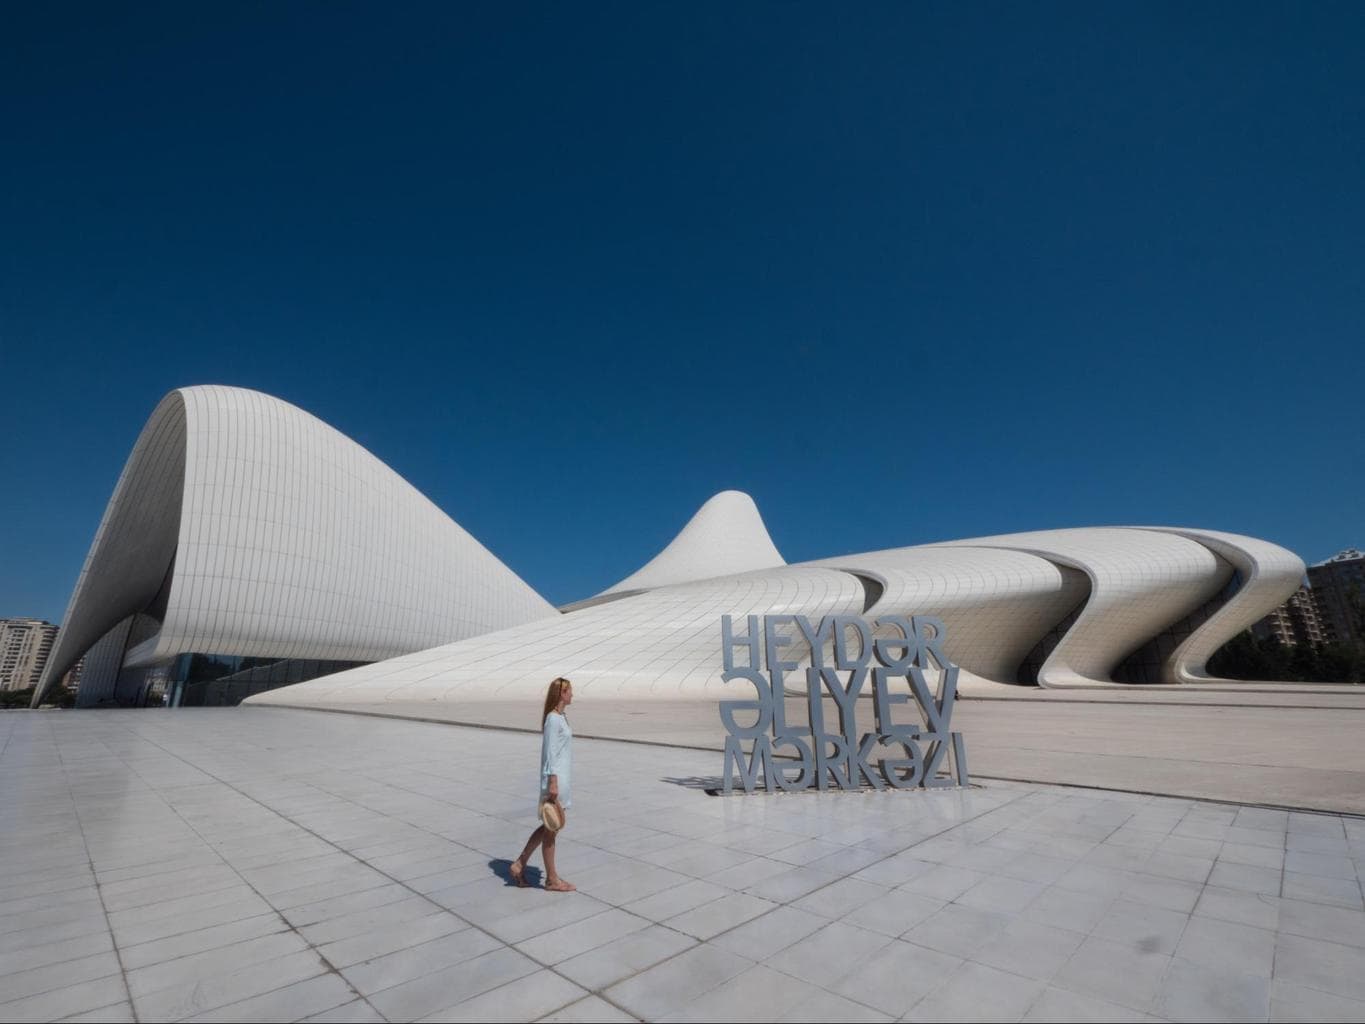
x=552, y=696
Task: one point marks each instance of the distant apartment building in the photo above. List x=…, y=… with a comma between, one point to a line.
x=1297, y=621
x=1339, y=589
x=24, y=647
x=72, y=679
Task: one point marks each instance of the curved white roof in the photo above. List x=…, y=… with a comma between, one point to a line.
x=1141, y=581
x=265, y=532
x=726, y=536
x=663, y=644
x=994, y=604
x=1269, y=575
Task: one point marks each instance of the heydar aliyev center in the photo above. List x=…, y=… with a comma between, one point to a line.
x=250, y=551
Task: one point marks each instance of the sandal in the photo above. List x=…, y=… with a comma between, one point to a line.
x=518, y=874
x=559, y=885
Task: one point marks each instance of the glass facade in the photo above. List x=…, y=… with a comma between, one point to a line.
x=223, y=680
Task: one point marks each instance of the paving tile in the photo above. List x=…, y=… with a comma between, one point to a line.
x=759, y=993
x=1172, y=865
x=1257, y=856
x=1063, y=908
x=896, y=913
x=977, y=992
x=212, y=963
x=671, y=902
x=1315, y=824
x=1001, y=895
x=553, y=910
x=358, y=1011
x=417, y=961
x=1227, y=946
x=894, y=871
x=390, y=939
x=958, y=930
x=315, y=911
x=1169, y=893
x=182, y=924
x=1256, y=909
x=1245, y=877
x=572, y=939
x=1320, y=921
x=345, y=926
x=765, y=936
x=1195, y=992
x=1330, y=844
x=527, y=998
x=944, y=883
x=67, y=1001
x=628, y=955
x=1326, y=865
x=1058, y=1004
x=293, y=1002
x=118, y=1013
x=188, y=998
x=655, y=992
x=720, y=915
x=839, y=899
x=827, y=955
x=1262, y=818
x=15, y=929
x=1341, y=892
x=1315, y=963
x=1036, y=867
x=74, y=948
x=1146, y=927
x=1114, y=972
x=1029, y=949
x=826, y=1006
x=1290, y=1002
x=896, y=976
x=449, y=986
x=1191, y=846
x=1255, y=837
x=589, y=1010
x=1094, y=880
x=788, y=885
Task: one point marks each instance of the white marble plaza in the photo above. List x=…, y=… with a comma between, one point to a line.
x=262, y=864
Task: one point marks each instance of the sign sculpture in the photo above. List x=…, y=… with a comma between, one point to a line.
x=795, y=756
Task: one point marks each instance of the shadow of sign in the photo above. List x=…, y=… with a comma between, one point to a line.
x=906, y=672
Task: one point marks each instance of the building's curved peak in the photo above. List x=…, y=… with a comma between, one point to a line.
x=725, y=537
x=275, y=535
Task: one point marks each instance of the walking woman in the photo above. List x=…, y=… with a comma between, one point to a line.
x=555, y=768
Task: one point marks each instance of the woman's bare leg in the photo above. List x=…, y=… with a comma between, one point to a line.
x=552, y=880
x=519, y=865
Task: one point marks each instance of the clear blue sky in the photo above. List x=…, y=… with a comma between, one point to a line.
x=903, y=272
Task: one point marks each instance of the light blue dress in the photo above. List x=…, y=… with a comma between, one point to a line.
x=556, y=757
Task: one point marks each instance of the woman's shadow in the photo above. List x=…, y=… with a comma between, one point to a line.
x=503, y=869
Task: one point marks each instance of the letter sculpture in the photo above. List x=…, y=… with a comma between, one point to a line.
x=848, y=659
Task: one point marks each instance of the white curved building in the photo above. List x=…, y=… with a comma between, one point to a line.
x=242, y=527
